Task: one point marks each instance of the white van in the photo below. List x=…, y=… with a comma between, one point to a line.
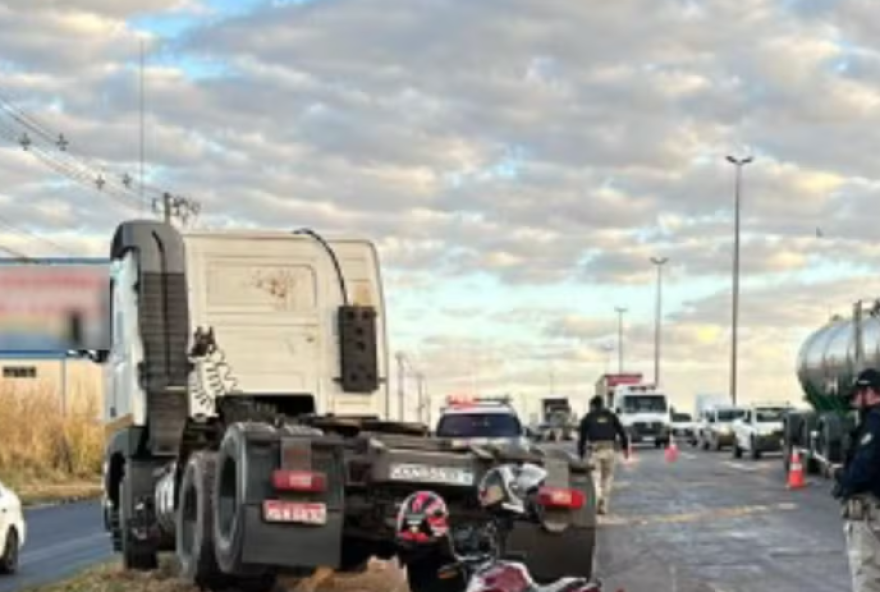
x=644, y=412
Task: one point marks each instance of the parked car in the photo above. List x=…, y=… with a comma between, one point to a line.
x=759, y=430
x=716, y=427
x=683, y=426
x=12, y=530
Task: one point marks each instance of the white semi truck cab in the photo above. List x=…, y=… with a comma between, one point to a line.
x=644, y=412
x=246, y=384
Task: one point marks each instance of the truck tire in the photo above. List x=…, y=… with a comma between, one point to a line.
x=737, y=451
x=195, y=534
x=754, y=453
x=136, y=555
x=833, y=432
x=230, y=489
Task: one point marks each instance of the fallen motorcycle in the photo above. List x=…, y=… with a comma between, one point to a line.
x=479, y=561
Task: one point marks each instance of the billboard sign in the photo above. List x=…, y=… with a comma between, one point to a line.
x=50, y=306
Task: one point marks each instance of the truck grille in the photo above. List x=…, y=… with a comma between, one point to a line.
x=643, y=427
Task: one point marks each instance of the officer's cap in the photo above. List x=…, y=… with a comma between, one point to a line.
x=596, y=401
x=869, y=378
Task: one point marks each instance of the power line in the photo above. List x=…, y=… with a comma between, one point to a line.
x=53, y=149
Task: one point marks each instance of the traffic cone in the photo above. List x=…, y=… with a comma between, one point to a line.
x=671, y=452
x=796, y=472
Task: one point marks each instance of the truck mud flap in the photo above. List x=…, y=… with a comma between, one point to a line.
x=564, y=545
x=163, y=320
x=260, y=524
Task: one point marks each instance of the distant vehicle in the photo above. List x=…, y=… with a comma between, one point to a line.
x=557, y=418
x=608, y=382
x=716, y=427
x=704, y=401
x=12, y=530
x=481, y=421
x=759, y=430
x=644, y=412
x=683, y=425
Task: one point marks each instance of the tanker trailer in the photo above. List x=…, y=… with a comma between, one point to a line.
x=828, y=362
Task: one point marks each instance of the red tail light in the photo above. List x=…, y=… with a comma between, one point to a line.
x=305, y=481
x=553, y=497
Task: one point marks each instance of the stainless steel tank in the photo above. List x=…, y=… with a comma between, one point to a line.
x=826, y=361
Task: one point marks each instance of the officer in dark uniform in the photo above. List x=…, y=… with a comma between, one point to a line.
x=858, y=486
x=601, y=429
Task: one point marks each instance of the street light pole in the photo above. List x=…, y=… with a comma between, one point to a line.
x=739, y=163
x=401, y=379
x=659, y=262
x=620, y=312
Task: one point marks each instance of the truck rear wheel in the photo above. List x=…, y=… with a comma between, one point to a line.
x=137, y=555
x=230, y=493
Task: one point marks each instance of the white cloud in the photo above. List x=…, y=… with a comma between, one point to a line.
x=554, y=146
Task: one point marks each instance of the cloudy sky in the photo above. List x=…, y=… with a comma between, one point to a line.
x=517, y=161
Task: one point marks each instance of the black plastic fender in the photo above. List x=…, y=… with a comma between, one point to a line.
x=569, y=551
x=231, y=490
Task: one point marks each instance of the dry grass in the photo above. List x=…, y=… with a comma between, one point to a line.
x=48, y=454
x=380, y=577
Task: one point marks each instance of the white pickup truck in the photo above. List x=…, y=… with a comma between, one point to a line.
x=759, y=430
x=715, y=430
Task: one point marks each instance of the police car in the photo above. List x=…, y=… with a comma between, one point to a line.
x=487, y=420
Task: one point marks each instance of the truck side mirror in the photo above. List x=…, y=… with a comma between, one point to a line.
x=617, y=410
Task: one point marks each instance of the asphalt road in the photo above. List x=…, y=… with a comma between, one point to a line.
x=61, y=541
x=709, y=523
x=705, y=523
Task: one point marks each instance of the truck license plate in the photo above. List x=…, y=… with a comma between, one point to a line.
x=428, y=474
x=294, y=512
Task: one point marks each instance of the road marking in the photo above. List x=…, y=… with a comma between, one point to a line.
x=689, y=455
x=712, y=513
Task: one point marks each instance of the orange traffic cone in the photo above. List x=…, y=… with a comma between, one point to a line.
x=671, y=453
x=796, y=472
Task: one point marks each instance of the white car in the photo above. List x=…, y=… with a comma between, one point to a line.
x=759, y=430
x=683, y=426
x=481, y=421
x=12, y=530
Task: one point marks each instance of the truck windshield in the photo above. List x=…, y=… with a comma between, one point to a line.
x=769, y=415
x=479, y=425
x=730, y=414
x=645, y=404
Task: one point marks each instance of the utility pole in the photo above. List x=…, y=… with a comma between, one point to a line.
x=176, y=208
x=401, y=378
x=607, y=348
x=420, y=382
x=739, y=163
x=620, y=311
x=659, y=262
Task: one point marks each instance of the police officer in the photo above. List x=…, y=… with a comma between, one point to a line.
x=858, y=486
x=601, y=429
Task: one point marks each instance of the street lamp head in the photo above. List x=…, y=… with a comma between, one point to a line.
x=740, y=161
x=659, y=260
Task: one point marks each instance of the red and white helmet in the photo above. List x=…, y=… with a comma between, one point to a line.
x=423, y=519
